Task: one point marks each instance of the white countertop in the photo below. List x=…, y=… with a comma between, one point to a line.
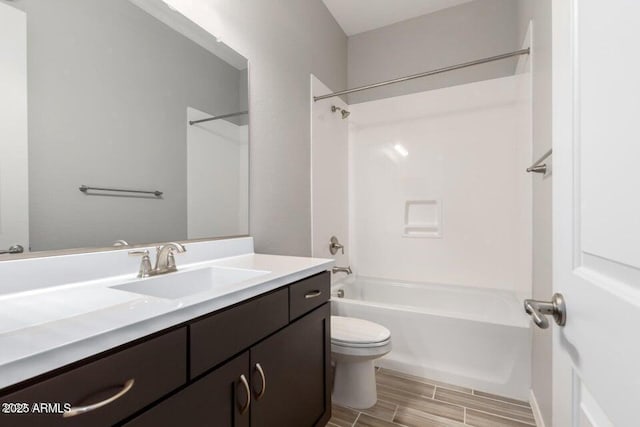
x=46, y=328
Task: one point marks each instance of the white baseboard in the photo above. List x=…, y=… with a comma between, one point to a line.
x=537, y=415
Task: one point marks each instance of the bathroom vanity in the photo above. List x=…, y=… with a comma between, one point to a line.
x=147, y=140
x=256, y=353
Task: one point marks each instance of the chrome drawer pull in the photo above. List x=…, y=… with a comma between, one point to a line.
x=312, y=294
x=263, y=381
x=244, y=382
x=128, y=385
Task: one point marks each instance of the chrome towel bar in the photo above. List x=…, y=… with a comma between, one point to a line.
x=538, y=166
x=86, y=188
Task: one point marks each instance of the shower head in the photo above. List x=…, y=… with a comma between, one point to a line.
x=343, y=112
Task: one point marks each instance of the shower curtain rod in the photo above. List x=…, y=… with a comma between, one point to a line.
x=425, y=74
x=222, y=116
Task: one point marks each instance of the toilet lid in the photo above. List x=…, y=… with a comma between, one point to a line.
x=350, y=330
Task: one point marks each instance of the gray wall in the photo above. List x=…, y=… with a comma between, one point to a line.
x=540, y=12
x=109, y=88
x=463, y=33
x=285, y=41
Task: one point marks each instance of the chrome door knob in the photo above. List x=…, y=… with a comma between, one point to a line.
x=539, y=309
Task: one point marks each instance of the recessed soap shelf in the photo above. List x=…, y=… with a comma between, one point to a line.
x=422, y=218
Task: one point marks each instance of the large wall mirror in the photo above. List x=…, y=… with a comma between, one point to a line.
x=121, y=120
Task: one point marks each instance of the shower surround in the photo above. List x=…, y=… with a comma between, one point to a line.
x=439, y=226
x=440, y=231
x=438, y=189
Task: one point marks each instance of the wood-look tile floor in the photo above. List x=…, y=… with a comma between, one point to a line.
x=408, y=401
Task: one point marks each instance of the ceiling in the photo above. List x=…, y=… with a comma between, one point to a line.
x=357, y=16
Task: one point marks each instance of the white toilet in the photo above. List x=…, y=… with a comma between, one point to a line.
x=355, y=344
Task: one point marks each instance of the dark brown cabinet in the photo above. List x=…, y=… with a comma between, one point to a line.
x=139, y=375
x=308, y=294
x=221, y=335
x=290, y=374
x=261, y=363
x=220, y=398
x=285, y=375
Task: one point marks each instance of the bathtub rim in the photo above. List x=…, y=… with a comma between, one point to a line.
x=522, y=322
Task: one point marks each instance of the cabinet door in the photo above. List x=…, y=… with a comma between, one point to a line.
x=219, y=399
x=295, y=363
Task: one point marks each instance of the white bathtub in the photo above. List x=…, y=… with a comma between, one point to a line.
x=466, y=336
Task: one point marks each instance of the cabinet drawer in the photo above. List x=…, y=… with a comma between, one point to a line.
x=220, y=336
x=139, y=375
x=308, y=294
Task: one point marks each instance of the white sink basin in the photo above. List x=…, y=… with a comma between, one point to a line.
x=186, y=283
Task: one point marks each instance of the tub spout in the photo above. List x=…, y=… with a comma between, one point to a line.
x=346, y=269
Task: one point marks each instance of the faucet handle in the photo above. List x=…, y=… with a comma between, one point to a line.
x=335, y=245
x=145, y=263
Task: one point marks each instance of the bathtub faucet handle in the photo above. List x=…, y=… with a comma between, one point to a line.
x=538, y=309
x=335, y=245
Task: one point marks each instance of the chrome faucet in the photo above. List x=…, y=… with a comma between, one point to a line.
x=347, y=270
x=165, y=260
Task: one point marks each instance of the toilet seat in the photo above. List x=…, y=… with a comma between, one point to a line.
x=358, y=333
x=360, y=345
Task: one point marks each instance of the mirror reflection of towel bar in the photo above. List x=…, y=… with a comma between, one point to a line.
x=222, y=116
x=85, y=189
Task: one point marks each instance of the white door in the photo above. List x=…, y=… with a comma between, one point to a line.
x=14, y=197
x=596, y=212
